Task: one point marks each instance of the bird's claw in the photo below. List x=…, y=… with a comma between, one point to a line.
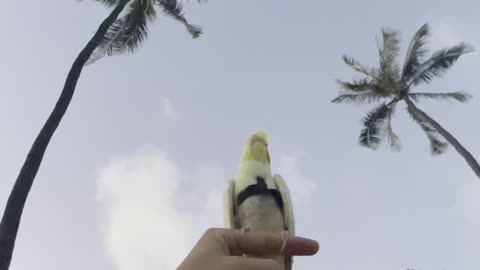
x=284, y=242
x=243, y=230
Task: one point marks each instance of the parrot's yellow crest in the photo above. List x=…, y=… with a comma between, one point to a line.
x=256, y=148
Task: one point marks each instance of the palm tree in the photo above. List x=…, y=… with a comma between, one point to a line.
x=115, y=35
x=392, y=83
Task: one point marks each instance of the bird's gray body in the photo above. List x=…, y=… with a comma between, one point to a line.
x=260, y=213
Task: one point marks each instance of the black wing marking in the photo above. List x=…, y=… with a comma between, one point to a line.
x=257, y=189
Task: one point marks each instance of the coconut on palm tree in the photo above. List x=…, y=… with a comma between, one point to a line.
x=391, y=83
x=115, y=35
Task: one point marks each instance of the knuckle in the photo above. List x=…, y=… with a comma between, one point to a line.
x=215, y=233
x=211, y=232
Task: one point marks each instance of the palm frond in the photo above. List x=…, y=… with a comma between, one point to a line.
x=373, y=132
x=415, y=53
x=127, y=33
x=438, y=63
x=360, y=85
x=458, y=96
x=108, y=3
x=437, y=145
x=357, y=66
x=107, y=45
x=175, y=9
x=390, y=134
x=390, y=45
x=388, y=53
x=359, y=98
x=389, y=72
x=135, y=28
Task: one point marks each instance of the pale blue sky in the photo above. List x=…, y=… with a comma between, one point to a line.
x=180, y=110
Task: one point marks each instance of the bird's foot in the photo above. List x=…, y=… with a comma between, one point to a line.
x=243, y=231
x=285, y=239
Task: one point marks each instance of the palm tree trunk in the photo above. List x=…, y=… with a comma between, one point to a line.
x=449, y=137
x=16, y=201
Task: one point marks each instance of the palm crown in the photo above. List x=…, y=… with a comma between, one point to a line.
x=129, y=31
x=390, y=83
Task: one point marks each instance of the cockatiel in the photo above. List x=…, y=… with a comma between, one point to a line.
x=256, y=201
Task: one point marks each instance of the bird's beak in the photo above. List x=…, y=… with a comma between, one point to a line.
x=268, y=157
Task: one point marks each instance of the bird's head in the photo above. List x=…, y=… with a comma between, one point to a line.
x=256, y=148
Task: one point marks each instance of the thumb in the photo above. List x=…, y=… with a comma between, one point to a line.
x=266, y=244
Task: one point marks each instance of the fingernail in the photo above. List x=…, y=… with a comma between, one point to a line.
x=315, y=246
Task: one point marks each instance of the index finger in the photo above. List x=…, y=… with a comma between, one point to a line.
x=267, y=244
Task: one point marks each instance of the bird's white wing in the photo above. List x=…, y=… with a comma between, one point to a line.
x=228, y=205
x=287, y=203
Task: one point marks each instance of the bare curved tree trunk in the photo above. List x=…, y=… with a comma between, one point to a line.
x=449, y=137
x=18, y=196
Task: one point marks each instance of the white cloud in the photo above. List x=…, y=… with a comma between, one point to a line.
x=168, y=110
x=151, y=216
x=154, y=210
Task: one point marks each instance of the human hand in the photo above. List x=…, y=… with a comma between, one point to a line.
x=222, y=249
